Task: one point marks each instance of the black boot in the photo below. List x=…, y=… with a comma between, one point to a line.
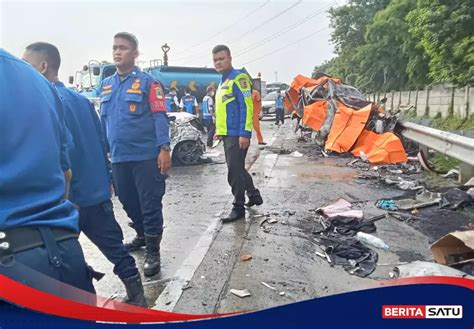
x=137, y=242
x=152, y=255
x=255, y=199
x=135, y=293
x=235, y=214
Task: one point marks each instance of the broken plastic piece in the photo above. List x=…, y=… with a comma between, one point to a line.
x=268, y=286
x=372, y=240
x=245, y=258
x=240, y=293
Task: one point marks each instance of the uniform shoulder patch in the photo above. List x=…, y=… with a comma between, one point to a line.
x=243, y=82
x=156, y=98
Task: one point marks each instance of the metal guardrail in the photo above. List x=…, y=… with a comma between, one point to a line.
x=455, y=146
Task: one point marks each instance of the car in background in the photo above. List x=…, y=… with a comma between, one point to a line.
x=186, y=145
x=268, y=104
x=276, y=86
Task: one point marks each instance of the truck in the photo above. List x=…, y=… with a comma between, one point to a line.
x=197, y=79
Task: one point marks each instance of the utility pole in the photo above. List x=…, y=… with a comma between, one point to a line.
x=276, y=76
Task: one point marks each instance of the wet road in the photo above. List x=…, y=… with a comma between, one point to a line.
x=201, y=257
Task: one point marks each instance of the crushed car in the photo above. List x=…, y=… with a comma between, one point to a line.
x=185, y=136
x=343, y=120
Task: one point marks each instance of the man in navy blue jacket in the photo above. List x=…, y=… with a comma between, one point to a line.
x=38, y=228
x=133, y=112
x=90, y=184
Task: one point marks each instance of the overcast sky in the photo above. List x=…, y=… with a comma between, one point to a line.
x=262, y=35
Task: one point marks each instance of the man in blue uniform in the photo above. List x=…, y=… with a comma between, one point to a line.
x=208, y=114
x=133, y=112
x=279, y=111
x=234, y=114
x=172, y=104
x=90, y=185
x=188, y=102
x=38, y=228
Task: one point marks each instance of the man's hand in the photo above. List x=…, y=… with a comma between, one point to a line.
x=67, y=178
x=217, y=137
x=244, y=143
x=164, y=161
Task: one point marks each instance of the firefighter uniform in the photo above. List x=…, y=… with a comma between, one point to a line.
x=90, y=188
x=234, y=111
x=133, y=113
x=38, y=228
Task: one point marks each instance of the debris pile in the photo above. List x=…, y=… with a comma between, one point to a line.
x=344, y=121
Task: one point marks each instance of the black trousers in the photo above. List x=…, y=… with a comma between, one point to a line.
x=211, y=130
x=98, y=223
x=237, y=176
x=140, y=189
x=280, y=116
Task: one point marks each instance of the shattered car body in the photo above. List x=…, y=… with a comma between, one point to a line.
x=343, y=120
x=185, y=137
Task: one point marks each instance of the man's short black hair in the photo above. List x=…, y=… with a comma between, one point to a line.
x=219, y=48
x=129, y=37
x=50, y=52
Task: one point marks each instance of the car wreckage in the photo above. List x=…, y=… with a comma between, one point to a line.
x=343, y=120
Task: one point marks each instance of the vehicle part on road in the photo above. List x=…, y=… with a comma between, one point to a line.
x=241, y=293
x=455, y=199
x=420, y=268
x=372, y=240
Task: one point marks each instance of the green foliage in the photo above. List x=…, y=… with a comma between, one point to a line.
x=384, y=45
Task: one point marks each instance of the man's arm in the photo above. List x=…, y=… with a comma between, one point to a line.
x=160, y=119
x=243, y=94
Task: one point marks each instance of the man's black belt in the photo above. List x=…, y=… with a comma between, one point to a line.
x=20, y=239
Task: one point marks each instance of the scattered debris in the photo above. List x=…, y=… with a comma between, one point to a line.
x=372, y=240
x=420, y=268
x=296, y=154
x=245, y=258
x=455, y=199
x=289, y=213
x=186, y=287
x=386, y=204
x=404, y=217
x=409, y=185
x=268, y=286
x=282, y=293
x=272, y=221
x=340, y=208
x=453, y=173
x=470, y=182
x=240, y=293
x=423, y=199
x=454, y=248
x=346, y=226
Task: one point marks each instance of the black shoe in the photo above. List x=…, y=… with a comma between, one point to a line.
x=152, y=255
x=136, y=243
x=235, y=214
x=135, y=293
x=262, y=143
x=255, y=199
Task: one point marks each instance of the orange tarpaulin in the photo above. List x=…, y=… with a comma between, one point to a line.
x=314, y=114
x=383, y=148
x=301, y=81
x=346, y=127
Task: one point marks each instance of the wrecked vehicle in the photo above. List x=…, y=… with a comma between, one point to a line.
x=343, y=120
x=185, y=136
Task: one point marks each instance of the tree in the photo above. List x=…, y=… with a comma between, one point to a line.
x=445, y=30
